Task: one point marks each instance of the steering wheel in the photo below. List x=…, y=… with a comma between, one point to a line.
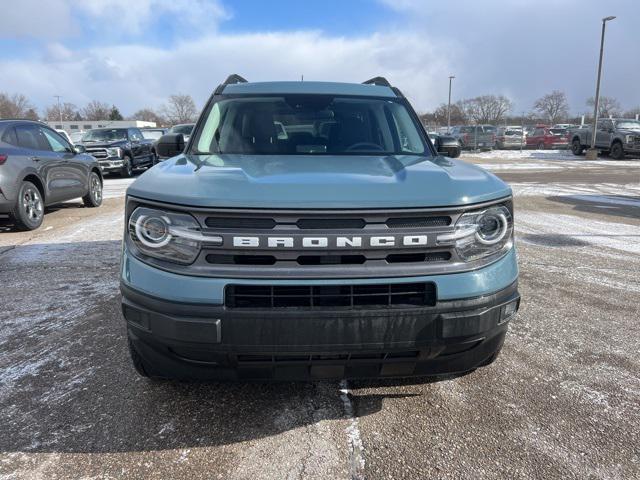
x=364, y=146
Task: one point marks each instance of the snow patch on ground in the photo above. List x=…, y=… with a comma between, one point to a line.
x=116, y=187
x=615, y=190
x=353, y=434
x=617, y=236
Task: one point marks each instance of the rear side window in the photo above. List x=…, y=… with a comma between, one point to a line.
x=9, y=136
x=31, y=137
x=56, y=141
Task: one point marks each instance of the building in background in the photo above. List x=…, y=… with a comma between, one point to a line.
x=84, y=125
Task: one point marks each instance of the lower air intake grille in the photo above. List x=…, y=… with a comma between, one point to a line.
x=395, y=295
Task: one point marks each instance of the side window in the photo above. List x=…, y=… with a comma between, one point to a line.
x=31, y=137
x=58, y=144
x=9, y=136
x=135, y=135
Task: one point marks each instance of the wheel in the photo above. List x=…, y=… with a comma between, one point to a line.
x=576, y=147
x=127, y=167
x=541, y=146
x=617, y=152
x=138, y=363
x=154, y=158
x=28, y=212
x=93, y=198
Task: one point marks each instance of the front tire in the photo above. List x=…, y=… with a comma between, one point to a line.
x=576, y=147
x=28, y=211
x=93, y=198
x=138, y=363
x=127, y=167
x=617, y=152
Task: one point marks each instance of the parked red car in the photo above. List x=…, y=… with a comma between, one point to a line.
x=545, y=137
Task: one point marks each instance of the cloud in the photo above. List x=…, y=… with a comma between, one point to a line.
x=135, y=76
x=53, y=19
x=56, y=19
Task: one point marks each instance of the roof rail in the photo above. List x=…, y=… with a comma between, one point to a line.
x=234, y=78
x=380, y=81
x=231, y=79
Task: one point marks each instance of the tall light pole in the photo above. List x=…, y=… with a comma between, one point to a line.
x=592, y=153
x=451, y=77
x=59, y=110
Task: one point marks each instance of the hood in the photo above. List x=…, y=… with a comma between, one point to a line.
x=317, y=181
x=118, y=143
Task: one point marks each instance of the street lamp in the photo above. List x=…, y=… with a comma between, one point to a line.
x=59, y=110
x=592, y=153
x=451, y=77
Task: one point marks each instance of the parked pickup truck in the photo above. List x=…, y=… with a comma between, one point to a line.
x=474, y=137
x=120, y=150
x=617, y=136
x=345, y=247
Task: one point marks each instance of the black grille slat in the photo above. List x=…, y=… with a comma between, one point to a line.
x=330, y=223
x=408, y=222
x=241, y=222
x=319, y=296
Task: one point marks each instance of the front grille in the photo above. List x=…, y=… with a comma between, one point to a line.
x=97, y=152
x=395, y=295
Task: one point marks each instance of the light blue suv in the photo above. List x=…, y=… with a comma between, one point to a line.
x=310, y=230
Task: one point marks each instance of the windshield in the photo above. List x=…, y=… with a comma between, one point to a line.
x=106, y=135
x=558, y=131
x=628, y=125
x=152, y=134
x=309, y=124
x=183, y=129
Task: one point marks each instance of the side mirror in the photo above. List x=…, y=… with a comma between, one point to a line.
x=170, y=145
x=78, y=149
x=438, y=145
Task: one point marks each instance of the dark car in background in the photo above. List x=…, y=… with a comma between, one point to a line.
x=544, y=137
x=39, y=167
x=120, y=150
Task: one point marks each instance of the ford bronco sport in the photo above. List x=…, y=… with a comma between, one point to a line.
x=310, y=230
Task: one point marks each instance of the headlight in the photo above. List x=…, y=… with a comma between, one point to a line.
x=174, y=237
x=628, y=138
x=481, y=233
x=114, y=152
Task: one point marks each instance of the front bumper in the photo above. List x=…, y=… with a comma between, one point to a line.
x=111, y=164
x=206, y=340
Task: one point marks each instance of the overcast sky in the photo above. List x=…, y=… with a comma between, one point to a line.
x=134, y=53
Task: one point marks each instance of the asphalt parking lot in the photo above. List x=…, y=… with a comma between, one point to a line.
x=562, y=400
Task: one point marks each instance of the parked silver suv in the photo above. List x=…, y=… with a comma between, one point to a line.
x=38, y=167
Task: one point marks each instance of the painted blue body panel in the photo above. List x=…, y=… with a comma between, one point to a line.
x=188, y=289
x=317, y=181
x=311, y=88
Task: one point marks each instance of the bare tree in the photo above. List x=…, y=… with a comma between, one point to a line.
x=552, y=106
x=607, y=107
x=180, y=109
x=16, y=106
x=68, y=112
x=488, y=108
x=458, y=116
x=96, y=110
x=149, y=115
